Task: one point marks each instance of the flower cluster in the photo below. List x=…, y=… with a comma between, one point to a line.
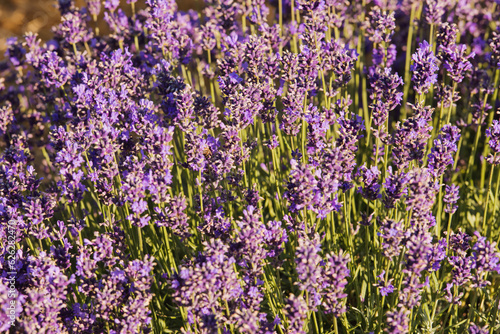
x=253, y=167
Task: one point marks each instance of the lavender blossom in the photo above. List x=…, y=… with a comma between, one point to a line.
x=380, y=25
x=456, y=61
x=450, y=198
x=334, y=283
x=494, y=133
x=296, y=310
x=385, y=288
x=442, y=153
x=424, y=68
x=308, y=264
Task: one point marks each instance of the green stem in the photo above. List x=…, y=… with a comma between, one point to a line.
x=485, y=218
x=407, y=62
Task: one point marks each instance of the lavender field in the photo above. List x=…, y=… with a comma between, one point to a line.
x=252, y=166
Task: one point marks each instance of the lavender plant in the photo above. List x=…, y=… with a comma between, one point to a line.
x=287, y=166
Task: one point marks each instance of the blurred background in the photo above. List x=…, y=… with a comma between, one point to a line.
x=20, y=16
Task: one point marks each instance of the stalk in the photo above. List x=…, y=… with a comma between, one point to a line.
x=485, y=220
x=476, y=141
x=490, y=120
x=409, y=40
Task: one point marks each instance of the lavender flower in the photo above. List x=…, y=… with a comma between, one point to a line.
x=334, y=283
x=486, y=259
x=447, y=34
x=398, y=321
x=392, y=232
x=456, y=62
x=380, y=25
x=308, y=264
x=395, y=187
x=443, y=151
x=424, y=68
x=385, y=288
x=495, y=49
x=476, y=329
x=370, y=178
x=434, y=11
x=450, y=198
x=494, y=133
x=194, y=284
x=149, y=137
x=73, y=28
x=384, y=93
x=411, y=136
x=296, y=310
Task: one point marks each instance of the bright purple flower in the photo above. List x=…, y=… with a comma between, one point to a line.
x=384, y=93
x=447, y=34
x=370, y=178
x=335, y=276
x=73, y=28
x=308, y=263
x=422, y=190
x=410, y=138
x=385, y=288
x=392, y=233
x=53, y=70
x=201, y=286
x=456, y=61
x=384, y=57
x=445, y=146
x=296, y=312
x=398, y=321
x=437, y=255
x=494, y=133
x=476, y=329
x=462, y=269
x=419, y=249
x=337, y=58
x=424, y=68
x=459, y=242
x=380, y=25
x=395, y=187
x=486, y=259
x=434, y=11
x=451, y=197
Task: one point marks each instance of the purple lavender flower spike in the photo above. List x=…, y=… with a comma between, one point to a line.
x=494, y=133
x=370, y=178
x=334, y=283
x=476, y=329
x=380, y=25
x=486, y=259
x=296, y=311
x=442, y=154
x=395, y=187
x=434, y=11
x=385, y=288
x=398, y=321
x=447, y=34
x=308, y=263
x=450, y=198
x=456, y=61
x=424, y=68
